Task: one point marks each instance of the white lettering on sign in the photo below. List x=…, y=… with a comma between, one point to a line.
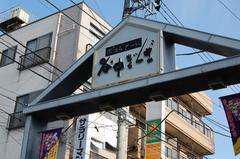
x=130, y=54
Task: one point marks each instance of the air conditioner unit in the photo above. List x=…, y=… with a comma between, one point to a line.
x=13, y=19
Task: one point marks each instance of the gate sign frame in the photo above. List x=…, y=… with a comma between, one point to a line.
x=132, y=53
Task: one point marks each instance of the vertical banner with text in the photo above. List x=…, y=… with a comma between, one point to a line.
x=231, y=106
x=49, y=144
x=153, y=141
x=82, y=144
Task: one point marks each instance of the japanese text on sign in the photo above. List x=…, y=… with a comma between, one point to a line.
x=135, y=58
x=80, y=143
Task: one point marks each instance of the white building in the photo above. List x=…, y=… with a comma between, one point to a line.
x=58, y=41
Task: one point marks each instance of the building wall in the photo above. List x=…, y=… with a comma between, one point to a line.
x=21, y=82
x=67, y=45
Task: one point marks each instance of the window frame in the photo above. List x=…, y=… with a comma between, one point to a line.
x=14, y=56
x=12, y=124
x=37, y=39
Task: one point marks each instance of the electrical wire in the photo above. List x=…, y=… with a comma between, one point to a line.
x=226, y=7
x=9, y=9
x=209, y=57
x=75, y=4
x=179, y=142
x=99, y=9
x=29, y=58
x=26, y=67
x=66, y=15
x=65, y=20
x=101, y=114
x=10, y=114
x=191, y=53
x=14, y=139
x=14, y=39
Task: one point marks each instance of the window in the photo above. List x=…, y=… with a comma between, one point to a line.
x=17, y=119
x=39, y=43
x=174, y=154
x=95, y=34
x=188, y=117
x=169, y=103
x=174, y=105
x=180, y=111
x=37, y=52
x=168, y=152
x=201, y=126
x=8, y=56
x=207, y=132
x=195, y=123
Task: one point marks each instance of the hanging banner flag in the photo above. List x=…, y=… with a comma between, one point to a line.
x=153, y=141
x=82, y=141
x=49, y=144
x=231, y=106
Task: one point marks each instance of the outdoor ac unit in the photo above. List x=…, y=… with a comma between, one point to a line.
x=20, y=13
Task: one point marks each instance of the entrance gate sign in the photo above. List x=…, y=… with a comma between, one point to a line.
x=130, y=54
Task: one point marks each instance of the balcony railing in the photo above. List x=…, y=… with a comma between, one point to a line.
x=16, y=120
x=35, y=58
x=190, y=118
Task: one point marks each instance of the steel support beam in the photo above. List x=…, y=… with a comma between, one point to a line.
x=169, y=84
x=80, y=71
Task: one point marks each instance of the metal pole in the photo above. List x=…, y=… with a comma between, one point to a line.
x=122, y=135
x=126, y=9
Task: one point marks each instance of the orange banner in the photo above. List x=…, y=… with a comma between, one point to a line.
x=153, y=151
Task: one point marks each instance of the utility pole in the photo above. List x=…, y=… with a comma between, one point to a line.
x=126, y=9
x=122, y=134
x=129, y=7
x=149, y=7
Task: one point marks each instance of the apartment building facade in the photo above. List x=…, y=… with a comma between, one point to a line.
x=186, y=136
x=46, y=48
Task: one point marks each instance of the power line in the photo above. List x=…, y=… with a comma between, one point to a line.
x=179, y=142
x=226, y=7
x=209, y=57
x=28, y=58
x=5, y=33
x=66, y=15
x=9, y=9
x=234, y=86
x=172, y=13
x=25, y=67
x=18, y=142
x=99, y=9
x=75, y=4
x=191, y=53
x=64, y=20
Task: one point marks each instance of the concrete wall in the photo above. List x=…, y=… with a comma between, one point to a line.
x=14, y=83
x=85, y=36
x=68, y=43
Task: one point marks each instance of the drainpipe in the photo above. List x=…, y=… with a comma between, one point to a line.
x=54, y=50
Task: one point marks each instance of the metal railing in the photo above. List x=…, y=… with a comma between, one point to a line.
x=16, y=120
x=35, y=58
x=190, y=118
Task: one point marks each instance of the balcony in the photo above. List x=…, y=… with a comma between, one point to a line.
x=189, y=129
x=16, y=120
x=199, y=102
x=35, y=58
